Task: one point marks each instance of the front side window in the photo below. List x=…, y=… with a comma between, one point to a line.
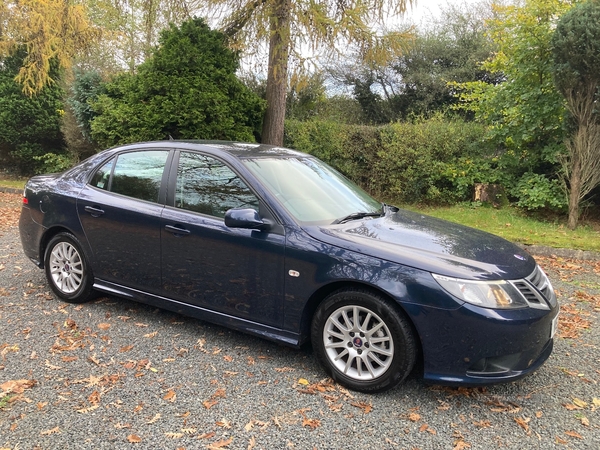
x=135, y=174
x=206, y=185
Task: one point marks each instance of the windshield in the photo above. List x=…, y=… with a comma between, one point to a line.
x=310, y=190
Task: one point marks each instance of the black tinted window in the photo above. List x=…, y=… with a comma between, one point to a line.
x=208, y=186
x=102, y=176
x=139, y=174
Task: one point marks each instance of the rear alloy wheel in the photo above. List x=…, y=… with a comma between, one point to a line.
x=67, y=269
x=363, y=340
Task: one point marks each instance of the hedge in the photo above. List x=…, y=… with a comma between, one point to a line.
x=434, y=161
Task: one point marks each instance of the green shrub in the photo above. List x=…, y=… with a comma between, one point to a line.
x=51, y=162
x=435, y=161
x=29, y=126
x=536, y=191
x=31, y=158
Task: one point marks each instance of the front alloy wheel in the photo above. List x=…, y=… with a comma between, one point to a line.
x=358, y=343
x=364, y=341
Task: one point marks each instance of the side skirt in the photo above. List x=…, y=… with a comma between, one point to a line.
x=246, y=326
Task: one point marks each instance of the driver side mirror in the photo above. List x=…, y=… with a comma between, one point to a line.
x=245, y=218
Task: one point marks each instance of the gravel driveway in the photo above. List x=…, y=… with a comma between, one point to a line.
x=117, y=374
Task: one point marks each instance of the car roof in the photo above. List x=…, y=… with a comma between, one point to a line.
x=240, y=150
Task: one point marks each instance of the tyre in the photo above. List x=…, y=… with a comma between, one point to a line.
x=363, y=340
x=67, y=269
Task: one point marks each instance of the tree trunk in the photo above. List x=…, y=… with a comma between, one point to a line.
x=279, y=45
x=574, y=193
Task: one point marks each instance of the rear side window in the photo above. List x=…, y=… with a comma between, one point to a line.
x=136, y=174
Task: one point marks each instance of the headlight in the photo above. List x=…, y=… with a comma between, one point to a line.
x=488, y=294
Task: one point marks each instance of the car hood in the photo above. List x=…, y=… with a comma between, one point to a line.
x=430, y=244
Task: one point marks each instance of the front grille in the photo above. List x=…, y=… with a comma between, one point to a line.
x=528, y=292
x=536, y=289
x=539, y=279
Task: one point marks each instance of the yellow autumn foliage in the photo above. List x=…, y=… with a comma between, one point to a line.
x=48, y=29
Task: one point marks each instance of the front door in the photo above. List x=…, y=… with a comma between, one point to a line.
x=205, y=263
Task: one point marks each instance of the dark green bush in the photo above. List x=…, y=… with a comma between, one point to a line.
x=29, y=126
x=187, y=90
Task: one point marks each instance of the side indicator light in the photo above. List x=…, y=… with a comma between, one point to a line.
x=25, y=201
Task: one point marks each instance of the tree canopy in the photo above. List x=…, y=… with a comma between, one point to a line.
x=49, y=30
x=524, y=112
x=449, y=51
x=418, y=82
x=576, y=47
x=64, y=29
x=289, y=26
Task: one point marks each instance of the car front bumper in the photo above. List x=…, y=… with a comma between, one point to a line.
x=477, y=346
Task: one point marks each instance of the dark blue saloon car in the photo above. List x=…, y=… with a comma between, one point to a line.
x=276, y=243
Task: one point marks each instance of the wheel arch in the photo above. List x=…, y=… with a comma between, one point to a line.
x=321, y=294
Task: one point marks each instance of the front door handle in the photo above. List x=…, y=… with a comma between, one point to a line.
x=95, y=212
x=177, y=231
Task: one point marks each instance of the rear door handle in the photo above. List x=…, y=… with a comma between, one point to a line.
x=95, y=212
x=176, y=230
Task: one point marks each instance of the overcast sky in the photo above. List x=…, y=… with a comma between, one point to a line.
x=428, y=8
x=424, y=7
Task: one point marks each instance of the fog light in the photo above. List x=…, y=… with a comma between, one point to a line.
x=495, y=365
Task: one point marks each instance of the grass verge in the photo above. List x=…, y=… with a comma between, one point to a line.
x=15, y=183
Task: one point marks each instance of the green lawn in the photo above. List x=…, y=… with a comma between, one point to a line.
x=13, y=183
x=514, y=225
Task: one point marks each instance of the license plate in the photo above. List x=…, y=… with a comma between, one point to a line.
x=554, y=326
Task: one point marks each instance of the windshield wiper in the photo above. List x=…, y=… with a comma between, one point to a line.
x=357, y=215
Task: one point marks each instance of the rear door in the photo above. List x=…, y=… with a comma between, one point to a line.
x=120, y=210
x=234, y=271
